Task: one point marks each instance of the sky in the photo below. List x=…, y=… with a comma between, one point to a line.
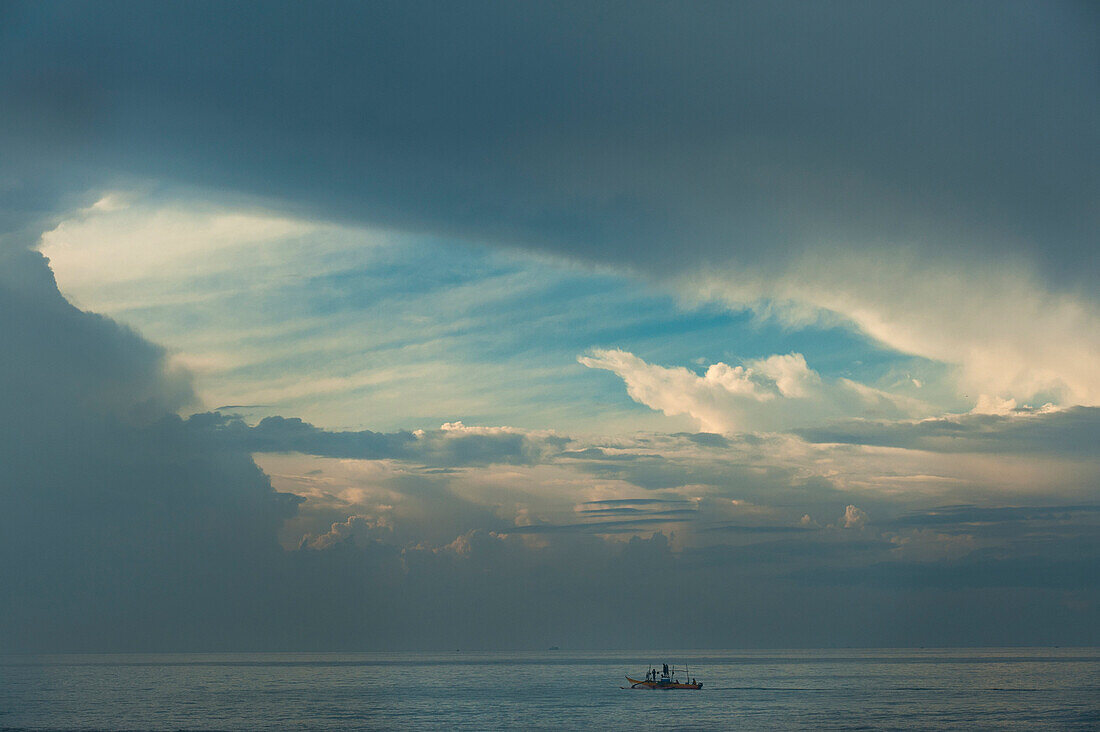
x=427, y=326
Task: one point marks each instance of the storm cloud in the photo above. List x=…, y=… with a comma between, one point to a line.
x=117, y=519
x=921, y=174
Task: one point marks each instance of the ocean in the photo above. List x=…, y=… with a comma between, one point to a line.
x=1005, y=688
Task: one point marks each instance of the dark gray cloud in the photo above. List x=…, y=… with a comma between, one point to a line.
x=444, y=447
x=120, y=525
x=972, y=516
x=1070, y=432
x=58, y=359
x=608, y=132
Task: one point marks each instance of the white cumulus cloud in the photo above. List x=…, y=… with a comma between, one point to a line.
x=777, y=392
x=853, y=518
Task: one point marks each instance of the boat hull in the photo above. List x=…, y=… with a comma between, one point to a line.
x=636, y=684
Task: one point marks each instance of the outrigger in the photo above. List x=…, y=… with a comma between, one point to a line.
x=668, y=679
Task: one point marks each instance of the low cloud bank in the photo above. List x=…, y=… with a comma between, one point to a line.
x=453, y=445
x=1073, y=432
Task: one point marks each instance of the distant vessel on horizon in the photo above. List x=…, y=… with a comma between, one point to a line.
x=668, y=679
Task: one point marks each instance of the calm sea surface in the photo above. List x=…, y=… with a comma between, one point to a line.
x=1015, y=688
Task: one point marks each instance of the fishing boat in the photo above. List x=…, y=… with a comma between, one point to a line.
x=665, y=679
